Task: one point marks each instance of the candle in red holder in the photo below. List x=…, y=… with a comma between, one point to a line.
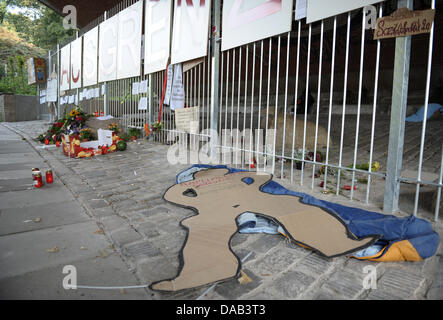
x=38, y=182
x=49, y=177
x=34, y=171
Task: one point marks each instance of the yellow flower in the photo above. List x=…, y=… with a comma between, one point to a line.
x=375, y=166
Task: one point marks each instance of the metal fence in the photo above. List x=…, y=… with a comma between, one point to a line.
x=322, y=106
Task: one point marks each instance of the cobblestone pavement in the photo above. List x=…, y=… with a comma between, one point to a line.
x=123, y=192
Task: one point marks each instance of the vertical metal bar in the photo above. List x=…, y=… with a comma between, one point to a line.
x=285, y=105
x=251, y=135
x=259, y=141
x=398, y=116
x=331, y=94
x=440, y=181
x=374, y=111
x=226, y=112
x=345, y=89
x=215, y=66
x=360, y=85
x=221, y=101
x=237, y=149
x=276, y=106
x=423, y=133
x=232, y=107
x=59, y=107
x=244, y=108
x=295, y=100
x=267, y=104
x=306, y=102
x=320, y=65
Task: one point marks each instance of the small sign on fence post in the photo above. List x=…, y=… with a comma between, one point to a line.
x=404, y=22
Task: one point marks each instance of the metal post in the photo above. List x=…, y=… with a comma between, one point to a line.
x=398, y=115
x=59, y=111
x=215, y=65
x=105, y=96
x=81, y=80
x=51, y=116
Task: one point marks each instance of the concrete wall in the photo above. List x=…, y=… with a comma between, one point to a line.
x=14, y=108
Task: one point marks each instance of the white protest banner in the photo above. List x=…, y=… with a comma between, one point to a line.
x=76, y=63
x=190, y=30
x=321, y=9
x=177, y=100
x=65, y=61
x=130, y=41
x=108, y=50
x=170, y=78
x=90, y=52
x=157, y=34
x=246, y=21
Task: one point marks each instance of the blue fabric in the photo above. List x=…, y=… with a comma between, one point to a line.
x=362, y=222
x=419, y=115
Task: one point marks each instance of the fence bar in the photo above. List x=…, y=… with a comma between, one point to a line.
x=244, y=107
x=320, y=65
x=306, y=102
x=331, y=92
x=360, y=85
x=398, y=116
x=259, y=141
x=276, y=106
x=440, y=181
x=215, y=75
x=374, y=111
x=423, y=133
x=285, y=104
x=345, y=90
x=295, y=101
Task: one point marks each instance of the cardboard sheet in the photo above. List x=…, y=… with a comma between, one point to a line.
x=219, y=199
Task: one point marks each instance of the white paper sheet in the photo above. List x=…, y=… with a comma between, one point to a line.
x=143, y=104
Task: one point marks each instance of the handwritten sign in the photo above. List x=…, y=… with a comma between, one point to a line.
x=404, y=22
x=187, y=119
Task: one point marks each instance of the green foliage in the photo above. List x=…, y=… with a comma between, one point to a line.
x=34, y=23
x=134, y=132
x=15, y=78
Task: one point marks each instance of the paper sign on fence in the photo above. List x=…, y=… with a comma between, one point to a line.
x=187, y=119
x=143, y=104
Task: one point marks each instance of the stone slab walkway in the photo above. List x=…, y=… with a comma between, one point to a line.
x=122, y=194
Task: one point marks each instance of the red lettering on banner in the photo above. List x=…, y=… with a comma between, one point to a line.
x=189, y=3
x=75, y=79
x=237, y=19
